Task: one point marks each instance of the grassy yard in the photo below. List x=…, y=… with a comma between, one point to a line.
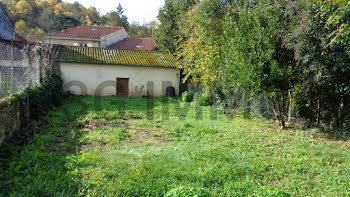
x=89, y=152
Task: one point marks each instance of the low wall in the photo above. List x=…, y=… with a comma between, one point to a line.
x=19, y=111
x=10, y=119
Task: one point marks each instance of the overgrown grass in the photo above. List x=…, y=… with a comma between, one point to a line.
x=115, y=152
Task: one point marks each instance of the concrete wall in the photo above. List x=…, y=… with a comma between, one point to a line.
x=70, y=42
x=113, y=38
x=93, y=75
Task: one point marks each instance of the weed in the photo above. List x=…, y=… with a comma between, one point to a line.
x=121, y=134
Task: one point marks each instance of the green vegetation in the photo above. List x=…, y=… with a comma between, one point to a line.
x=293, y=53
x=80, y=151
x=187, y=96
x=33, y=18
x=204, y=100
x=170, y=16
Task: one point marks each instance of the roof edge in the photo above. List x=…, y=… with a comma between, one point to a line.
x=116, y=49
x=121, y=28
x=72, y=37
x=104, y=63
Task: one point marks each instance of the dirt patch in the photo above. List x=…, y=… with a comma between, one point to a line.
x=156, y=135
x=63, y=145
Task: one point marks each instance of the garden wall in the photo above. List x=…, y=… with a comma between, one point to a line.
x=18, y=112
x=10, y=120
x=29, y=85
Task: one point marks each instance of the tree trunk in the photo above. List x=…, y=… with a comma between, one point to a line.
x=278, y=109
x=290, y=106
x=340, y=117
x=318, y=112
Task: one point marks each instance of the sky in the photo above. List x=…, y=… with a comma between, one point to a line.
x=141, y=11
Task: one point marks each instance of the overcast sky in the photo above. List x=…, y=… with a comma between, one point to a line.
x=141, y=11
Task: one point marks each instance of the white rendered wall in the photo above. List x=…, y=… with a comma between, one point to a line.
x=93, y=75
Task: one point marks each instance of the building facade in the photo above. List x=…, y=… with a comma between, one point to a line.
x=115, y=72
x=88, y=36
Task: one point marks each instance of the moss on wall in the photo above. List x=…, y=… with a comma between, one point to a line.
x=18, y=111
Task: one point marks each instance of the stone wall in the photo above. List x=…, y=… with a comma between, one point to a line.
x=20, y=67
x=10, y=119
x=24, y=91
x=19, y=112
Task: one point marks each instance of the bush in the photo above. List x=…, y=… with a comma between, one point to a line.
x=205, y=100
x=187, y=96
x=122, y=134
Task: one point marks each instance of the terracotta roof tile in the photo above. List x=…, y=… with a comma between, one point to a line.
x=86, y=31
x=147, y=44
x=116, y=56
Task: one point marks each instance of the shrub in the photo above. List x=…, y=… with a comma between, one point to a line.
x=122, y=134
x=187, y=96
x=205, y=100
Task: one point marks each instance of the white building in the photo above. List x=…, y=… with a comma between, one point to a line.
x=117, y=72
x=90, y=36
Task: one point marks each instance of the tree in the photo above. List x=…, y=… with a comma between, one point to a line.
x=10, y=6
x=170, y=16
x=256, y=59
x=199, y=51
x=42, y=13
x=24, y=10
x=45, y=20
x=59, y=9
x=322, y=92
x=139, y=31
x=21, y=27
x=52, y=3
x=36, y=33
x=92, y=16
x=336, y=14
x=154, y=26
x=63, y=22
x=117, y=18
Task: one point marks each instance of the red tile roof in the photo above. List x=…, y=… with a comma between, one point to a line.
x=86, y=31
x=147, y=44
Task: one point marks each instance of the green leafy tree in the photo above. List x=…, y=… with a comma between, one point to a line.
x=24, y=10
x=136, y=30
x=63, y=22
x=336, y=14
x=322, y=93
x=256, y=60
x=37, y=33
x=21, y=27
x=93, y=16
x=45, y=20
x=200, y=40
x=117, y=18
x=170, y=16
